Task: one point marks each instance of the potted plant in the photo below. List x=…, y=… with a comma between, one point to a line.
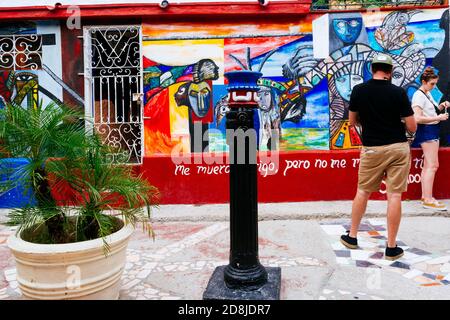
x=70, y=249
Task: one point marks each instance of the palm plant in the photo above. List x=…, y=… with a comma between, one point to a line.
x=39, y=134
x=98, y=184
x=61, y=158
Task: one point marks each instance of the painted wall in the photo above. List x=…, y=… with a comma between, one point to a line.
x=302, y=176
x=28, y=3
x=31, y=64
x=309, y=67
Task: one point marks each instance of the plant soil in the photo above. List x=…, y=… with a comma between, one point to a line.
x=40, y=233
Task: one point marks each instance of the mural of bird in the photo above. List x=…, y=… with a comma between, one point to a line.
x=392, y=33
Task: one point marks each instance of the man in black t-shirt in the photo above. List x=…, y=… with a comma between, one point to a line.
x=383, y=111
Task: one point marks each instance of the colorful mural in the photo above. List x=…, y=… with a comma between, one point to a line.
x=362, y=37
x=21, y=56
x=309, y=71
x=19, y=88
x=310, y=64
x=31, y=65
x=282, y=102
x=179, y=77
x=441, y=63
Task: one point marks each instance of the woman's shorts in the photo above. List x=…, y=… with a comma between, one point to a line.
x=424, y=133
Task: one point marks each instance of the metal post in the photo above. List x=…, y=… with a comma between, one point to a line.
x=244, y=277
x=244, y=270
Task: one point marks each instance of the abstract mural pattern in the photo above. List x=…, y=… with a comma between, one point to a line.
x=19, y=88
x=25, y=61
x=307, y=78
x=179, y=92
x=309, y=70
x=20, y=57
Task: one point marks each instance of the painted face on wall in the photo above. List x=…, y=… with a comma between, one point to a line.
x=221, y=109
x=398, y=75
x=345, y=84
x=199, y=98
x=23, y=78
x=196, y=96
x=265, y=99
x=347, y=29
x=208, y=70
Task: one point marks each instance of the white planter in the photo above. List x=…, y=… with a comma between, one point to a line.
x=77, y=270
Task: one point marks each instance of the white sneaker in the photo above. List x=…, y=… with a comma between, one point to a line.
x=434, y=205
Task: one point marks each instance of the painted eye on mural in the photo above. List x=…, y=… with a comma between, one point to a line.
x=24, y=77
x=396, y=75
x=224, y=110
x=402, y=18
x=193, y=93
x=182, y=90
x=354, y=23
x=341, y=24
x=204, y=91
x=341, y=79
x=262, y=94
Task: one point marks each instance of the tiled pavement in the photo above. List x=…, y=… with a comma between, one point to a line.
x=425, y=268
x=181, y=259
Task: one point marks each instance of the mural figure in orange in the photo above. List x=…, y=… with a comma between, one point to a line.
x=195, y=93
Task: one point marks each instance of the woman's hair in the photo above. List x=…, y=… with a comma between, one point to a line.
x=428, y=74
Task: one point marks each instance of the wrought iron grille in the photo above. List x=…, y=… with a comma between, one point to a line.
x=354, y=4
x=114, y=71
x=21, y=52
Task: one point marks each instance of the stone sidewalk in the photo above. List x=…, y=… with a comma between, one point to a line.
x=309, y=210
x=191, y=241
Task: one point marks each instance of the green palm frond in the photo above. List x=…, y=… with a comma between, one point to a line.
x=62, y=158
x=39, y=134
x=31, y=218
x=102, y=185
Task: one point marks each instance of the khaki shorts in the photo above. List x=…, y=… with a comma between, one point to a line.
x=391, y=162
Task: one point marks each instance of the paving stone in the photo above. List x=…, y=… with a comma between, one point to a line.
x=191, y=260
x=130, y=284
x=143, y=274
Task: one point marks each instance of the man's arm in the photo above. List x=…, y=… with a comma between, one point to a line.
x=353, y=108
x=410, y=124
x=353, y=118
x=407, y=113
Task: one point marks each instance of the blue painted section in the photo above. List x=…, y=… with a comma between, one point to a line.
x=243, y=80
x=11, y=171
x=317, y=109
x=348, y=29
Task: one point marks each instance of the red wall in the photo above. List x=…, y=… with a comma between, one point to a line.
x=72, y=57
x=299, y=184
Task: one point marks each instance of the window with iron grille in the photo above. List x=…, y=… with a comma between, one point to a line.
x=114, y=83
x=20, y=52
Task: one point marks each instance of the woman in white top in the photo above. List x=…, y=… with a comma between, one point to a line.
x=427, y=135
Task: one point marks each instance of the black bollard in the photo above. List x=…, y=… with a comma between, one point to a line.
x=244, y=278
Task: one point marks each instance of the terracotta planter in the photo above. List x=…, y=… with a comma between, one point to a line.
x=77, y=270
